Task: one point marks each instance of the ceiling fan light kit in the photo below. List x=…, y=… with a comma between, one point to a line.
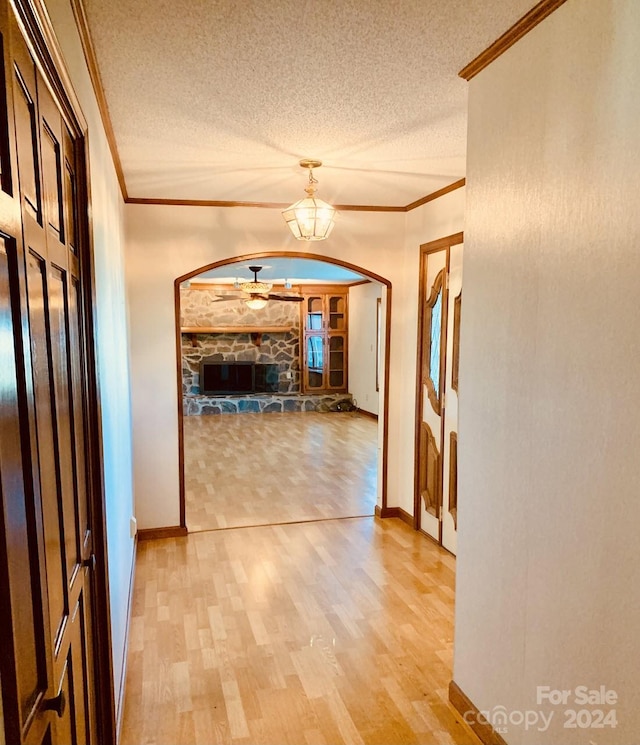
x=310, y=219
x=258, y=293
x=256, y=303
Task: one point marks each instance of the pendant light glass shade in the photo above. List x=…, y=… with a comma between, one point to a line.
x=310, y=219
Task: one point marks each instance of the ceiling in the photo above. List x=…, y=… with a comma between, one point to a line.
x=219, y=100
x=277, y=269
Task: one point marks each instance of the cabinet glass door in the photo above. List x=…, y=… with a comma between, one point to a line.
x=314, y=314
x=336, y=361
x=337, y=312
x=315, y=361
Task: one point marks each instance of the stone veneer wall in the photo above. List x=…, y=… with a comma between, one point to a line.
x=199, y=308
x=264, y=403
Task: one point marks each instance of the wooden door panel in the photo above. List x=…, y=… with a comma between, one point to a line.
x=26, y=122
x=5, y=147
x=22, y=608
x=63, y=415
x=78, y=421
x=78, y=689
x=52, y=178
x=51, y=497
x=70, y=192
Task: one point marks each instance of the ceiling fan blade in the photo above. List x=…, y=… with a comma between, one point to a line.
x=287, y=298
x=226, y=298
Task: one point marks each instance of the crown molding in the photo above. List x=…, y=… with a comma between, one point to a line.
x=519, y=29
x=435, y=195
x=281, y=205
x=96, y=81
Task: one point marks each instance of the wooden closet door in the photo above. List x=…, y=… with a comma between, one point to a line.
x=46, y=172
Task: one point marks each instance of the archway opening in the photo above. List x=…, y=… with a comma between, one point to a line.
x=308, y=275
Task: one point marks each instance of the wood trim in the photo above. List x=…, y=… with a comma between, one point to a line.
x=471, y=716
x=235, y=329
x=258, y=205
x=244, y=258
x=385, y=396
x=369, y=414
x=264, y=255
x=281, y=205
x=440, y=243
x=96, y=81
x=178, y=332
x=154, y=534
x=435, y=195
x=386, y=512
x=519, y=29
x=455, y=351
x=125, y=652
x=453, y=478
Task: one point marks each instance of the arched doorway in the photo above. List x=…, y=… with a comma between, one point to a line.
x=384, y=357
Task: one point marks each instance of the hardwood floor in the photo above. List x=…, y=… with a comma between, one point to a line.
x=315, y=633
x=262, y=469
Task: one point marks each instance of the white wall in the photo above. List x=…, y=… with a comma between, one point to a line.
x=548, y=570
x=165, y=242
x=436, y=219
x=363, y=310
x=107, y=216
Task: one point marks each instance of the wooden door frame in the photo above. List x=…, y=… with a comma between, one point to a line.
x=441, y=244
x=40, y=36
x=267, y=255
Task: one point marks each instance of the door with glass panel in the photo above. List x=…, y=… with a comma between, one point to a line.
x=325, y=342
x=436, y=497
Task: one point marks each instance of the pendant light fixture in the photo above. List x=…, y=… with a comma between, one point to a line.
x=310, y=219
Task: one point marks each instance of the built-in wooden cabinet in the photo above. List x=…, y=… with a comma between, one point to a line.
x=325, y=344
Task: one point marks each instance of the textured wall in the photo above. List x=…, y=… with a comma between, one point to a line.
x=548, y=571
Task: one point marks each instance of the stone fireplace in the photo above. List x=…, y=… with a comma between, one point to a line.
x=271, y=339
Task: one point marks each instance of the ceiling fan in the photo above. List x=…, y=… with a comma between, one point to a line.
x=257, y=293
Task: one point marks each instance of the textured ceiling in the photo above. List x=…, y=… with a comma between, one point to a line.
x=219, y=99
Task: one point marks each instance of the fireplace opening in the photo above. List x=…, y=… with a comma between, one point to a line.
x=224, y=378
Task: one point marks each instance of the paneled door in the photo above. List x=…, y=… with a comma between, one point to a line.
x=436, y=500
x=46, y=541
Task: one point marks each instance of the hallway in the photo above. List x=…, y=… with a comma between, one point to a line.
x=321, y=633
